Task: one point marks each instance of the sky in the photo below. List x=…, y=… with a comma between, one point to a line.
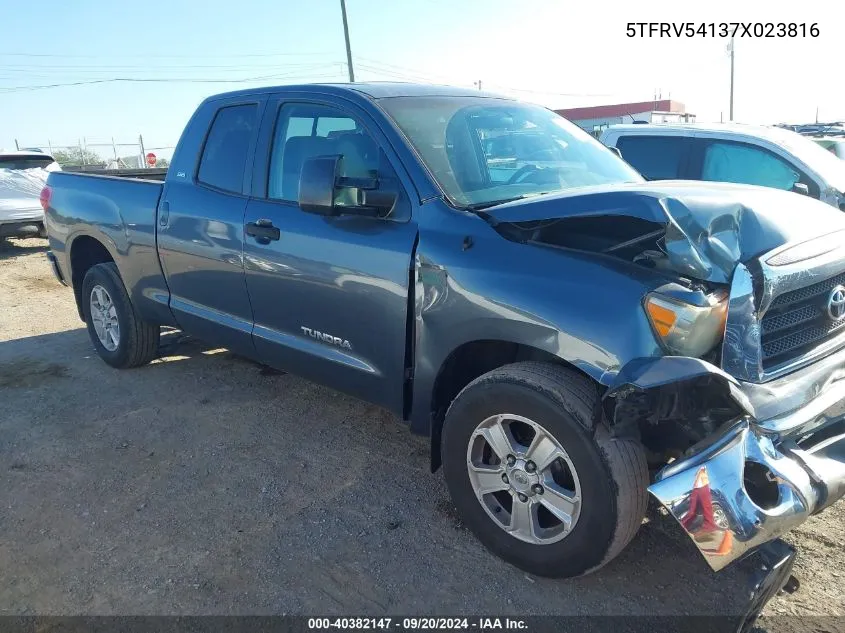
x=556, y=53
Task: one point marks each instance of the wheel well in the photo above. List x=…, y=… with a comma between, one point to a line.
x=465, y=364
x=85, y=252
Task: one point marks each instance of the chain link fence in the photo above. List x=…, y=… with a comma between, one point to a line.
x=98, y=155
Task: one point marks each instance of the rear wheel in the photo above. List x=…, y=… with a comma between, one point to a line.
x=536, y=476
x=119, y=334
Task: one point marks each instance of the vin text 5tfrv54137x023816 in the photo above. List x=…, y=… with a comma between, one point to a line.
x=570, y=337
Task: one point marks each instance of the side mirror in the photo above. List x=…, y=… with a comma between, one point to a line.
x=319, y=182
x=800, y=187
x=316, y=185
x=615, y=150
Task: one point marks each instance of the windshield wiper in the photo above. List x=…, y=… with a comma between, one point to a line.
x=478, y=206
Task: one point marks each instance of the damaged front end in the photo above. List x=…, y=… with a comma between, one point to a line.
x=761, y=446
x=751, y=420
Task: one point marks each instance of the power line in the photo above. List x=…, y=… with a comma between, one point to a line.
x=391, y=73
x=111, y=67
x=404, y=71
x=395, y=74
x=160, y=80
x=146, y=56
x=552, y=93
x=65, y=76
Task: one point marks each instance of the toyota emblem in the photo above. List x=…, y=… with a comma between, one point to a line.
x=836, y=303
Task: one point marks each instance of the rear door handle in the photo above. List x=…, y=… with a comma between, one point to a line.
x=263, y=231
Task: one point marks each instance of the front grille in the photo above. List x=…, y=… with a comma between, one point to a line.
x=798, y=321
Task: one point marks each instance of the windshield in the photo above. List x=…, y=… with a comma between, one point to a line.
x=825, y=164
x=835, y=146
x=483, y=151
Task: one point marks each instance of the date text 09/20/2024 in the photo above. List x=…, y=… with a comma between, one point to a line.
x=418, y=623
x=722, y=29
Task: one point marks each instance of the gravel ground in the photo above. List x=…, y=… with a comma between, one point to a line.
x=205, y=484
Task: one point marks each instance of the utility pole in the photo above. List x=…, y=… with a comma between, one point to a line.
x=348, y=47
x=731, y=51
x=478, y=83
x=143, y=151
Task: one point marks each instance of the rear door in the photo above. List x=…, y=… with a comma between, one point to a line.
x=330, y=294
x=656, y=157
x=200, y=229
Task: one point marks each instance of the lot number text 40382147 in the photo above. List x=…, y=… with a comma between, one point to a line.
x=418, y=624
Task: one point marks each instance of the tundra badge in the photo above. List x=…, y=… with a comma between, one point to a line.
x=326, y=338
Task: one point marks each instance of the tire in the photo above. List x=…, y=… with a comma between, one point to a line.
x=42, y=230
x=137, y=340
x=612, y=473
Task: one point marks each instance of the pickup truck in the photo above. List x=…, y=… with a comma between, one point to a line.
x=570, y=337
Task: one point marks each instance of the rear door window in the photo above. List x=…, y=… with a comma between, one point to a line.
x=226, y=150
x=655, y=157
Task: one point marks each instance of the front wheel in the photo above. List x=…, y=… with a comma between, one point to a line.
x=119, y=334
x=536, y=476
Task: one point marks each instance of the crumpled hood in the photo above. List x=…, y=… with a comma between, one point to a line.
x=709, y=227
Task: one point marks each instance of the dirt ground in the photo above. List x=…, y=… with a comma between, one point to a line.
x=205, y=484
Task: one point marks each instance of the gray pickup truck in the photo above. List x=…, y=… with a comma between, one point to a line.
x=570, y=337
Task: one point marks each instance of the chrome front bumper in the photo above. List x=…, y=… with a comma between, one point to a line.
x=758, y=479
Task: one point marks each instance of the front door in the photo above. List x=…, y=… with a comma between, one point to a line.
x=329, y=294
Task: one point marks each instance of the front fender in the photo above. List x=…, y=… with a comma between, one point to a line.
x=581, y=308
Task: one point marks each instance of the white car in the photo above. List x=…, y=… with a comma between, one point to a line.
x=731, y=152
x=22, y=177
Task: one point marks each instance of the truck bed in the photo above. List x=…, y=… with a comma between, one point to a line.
x=120, y=213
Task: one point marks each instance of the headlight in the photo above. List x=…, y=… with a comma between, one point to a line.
x=685, y=329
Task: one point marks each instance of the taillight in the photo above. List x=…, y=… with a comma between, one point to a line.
x=46, y=194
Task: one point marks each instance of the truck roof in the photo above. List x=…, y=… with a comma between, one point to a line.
x=373, y=90
x=768, y=132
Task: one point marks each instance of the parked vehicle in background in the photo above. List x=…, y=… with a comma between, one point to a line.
x=22, y=178
x=834, y=144
x=731, y=152
x=508, y=286
x=816, y=129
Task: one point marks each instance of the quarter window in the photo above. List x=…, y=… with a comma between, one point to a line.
x=226, y=149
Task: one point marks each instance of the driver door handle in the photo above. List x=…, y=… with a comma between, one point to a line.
x=263, y=231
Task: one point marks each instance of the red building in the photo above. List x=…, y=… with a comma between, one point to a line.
x=594, y=119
